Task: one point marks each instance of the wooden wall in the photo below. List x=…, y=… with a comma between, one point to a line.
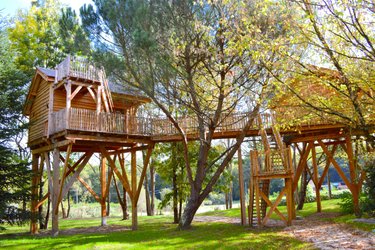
x=39, y=112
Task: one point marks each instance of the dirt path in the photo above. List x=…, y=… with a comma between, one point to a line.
x=323, y=234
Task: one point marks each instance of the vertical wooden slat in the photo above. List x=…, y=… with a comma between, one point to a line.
x=134, y=188
x=242, y=188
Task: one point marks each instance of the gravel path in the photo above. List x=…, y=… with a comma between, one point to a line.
x=322, y=234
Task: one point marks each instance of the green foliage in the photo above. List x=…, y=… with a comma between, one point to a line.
x=368, y=203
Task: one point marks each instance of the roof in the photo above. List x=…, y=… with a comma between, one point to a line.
x=113, y=87
x=49, y=76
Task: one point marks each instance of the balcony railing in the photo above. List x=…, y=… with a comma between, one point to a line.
x=80, y=68
x=103, y=122
x=117, y=123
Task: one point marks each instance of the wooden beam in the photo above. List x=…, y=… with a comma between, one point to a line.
x=134, y=188
x=76, y=173
x=128, y=150
x=301, y=165
x=75, y=92
x=55, y=193
x=52, y=146
x=112, y=164
x=316, y=178
x=274, y=206
x=103, y=185
x=326, y=168
x=92, y=94
x=143, y=174
x=242, y=188
x=34, y=194
x=45, y=197
x=336, y=165
x=62, y=179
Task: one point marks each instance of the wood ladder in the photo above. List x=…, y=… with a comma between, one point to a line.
x=264, y=185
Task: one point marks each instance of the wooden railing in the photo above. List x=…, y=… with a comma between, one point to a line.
x=78, y=67
x=108, y=122
x=91, y=121
x=272, y=162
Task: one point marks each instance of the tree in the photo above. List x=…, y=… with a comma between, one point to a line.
x=204, y=56
x=14, y=191
x=337, y=36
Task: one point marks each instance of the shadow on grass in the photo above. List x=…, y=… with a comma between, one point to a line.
x=160, y=234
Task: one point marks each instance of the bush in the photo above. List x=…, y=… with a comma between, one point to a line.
x=346, y=204
x=368, y=204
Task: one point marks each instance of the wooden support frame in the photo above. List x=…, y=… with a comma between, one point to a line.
x=242, y=187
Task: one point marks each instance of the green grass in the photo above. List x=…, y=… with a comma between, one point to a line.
x=155, y=233
x=308, y=209
x=348, y=220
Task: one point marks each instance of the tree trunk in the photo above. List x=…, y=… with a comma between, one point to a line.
x=40, y=209
x=47, y=213
x=175, y=196
x=226, y=200
x=152, y=192
x=230, y=195
x=68, y=210
x=63, y=210
x=180, y=209
x=189, y=212
x=147, y=194
x=302, y=194
x=108, y=203
x=124, y=206
x=329, y=185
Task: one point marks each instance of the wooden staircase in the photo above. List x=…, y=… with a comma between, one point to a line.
x=253, y=217
x=271, y=163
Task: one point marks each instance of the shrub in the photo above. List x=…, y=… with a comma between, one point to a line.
x=346, y=204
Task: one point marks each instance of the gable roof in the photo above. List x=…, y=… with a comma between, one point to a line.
x=49, y=76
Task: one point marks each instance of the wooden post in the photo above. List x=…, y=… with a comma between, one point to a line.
x=55, y=193
x=34, y=194
x=98, y=106
x=316, y=179
x=251, y=186
x=68, y=88
x=50, y=110
x=353, y=175
x=289, y=199
x=242, y=188
x=134, y=189
x=103, y=185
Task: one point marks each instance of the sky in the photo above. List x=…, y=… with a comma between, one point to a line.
x=10, y=7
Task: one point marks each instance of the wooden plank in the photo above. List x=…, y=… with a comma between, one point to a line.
x=52, y=146
x=55, y=193
x=34, y=194
x=352, y=165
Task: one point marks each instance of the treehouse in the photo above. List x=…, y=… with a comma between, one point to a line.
x=76, y=101
x=74, y=109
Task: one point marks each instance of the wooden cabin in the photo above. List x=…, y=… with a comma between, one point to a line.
x=77, y=97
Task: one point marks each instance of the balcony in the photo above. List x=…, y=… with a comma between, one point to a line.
x=78, y=68
x=103, y=122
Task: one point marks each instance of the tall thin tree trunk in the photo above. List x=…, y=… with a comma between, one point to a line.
x=175, y=196
x=147, y=193
x=230, y=195
x=125, y=214
x=47, y=213
x=302, y=194
x=152, y=192
x=63, y=210
x=180, y=208
x=68, y=210
x=40, y=209
x=227, y=200
x=329, y=185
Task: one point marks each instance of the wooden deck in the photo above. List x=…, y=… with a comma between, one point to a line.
x=161, y=129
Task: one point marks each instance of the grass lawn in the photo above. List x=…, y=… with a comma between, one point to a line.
x=154, y=233
x=308, y=209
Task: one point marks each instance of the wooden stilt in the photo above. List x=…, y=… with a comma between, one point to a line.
x=242, y=188
x=316, y=180
x=34, y=194
x=55, y=193
x=134, y=188
x=103, y=185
